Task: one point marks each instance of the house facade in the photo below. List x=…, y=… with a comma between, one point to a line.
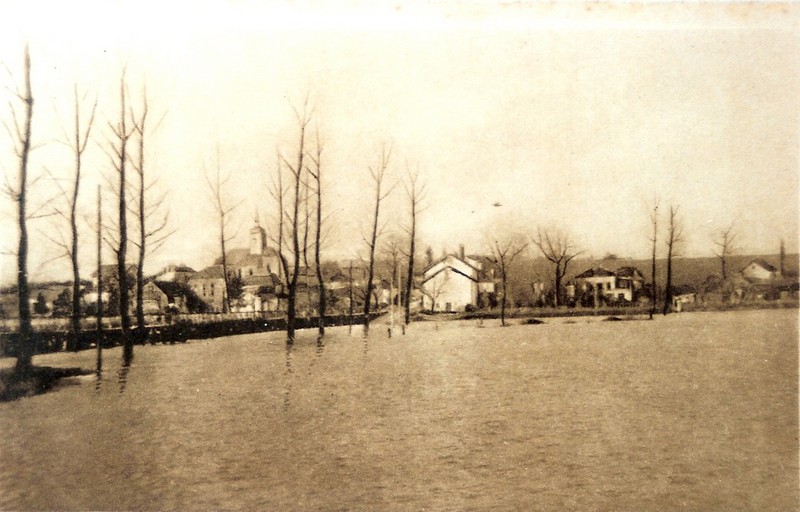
x=453, y=283
x=164, y=296
x=624, y=284
x=759, y=270
x=209, y=286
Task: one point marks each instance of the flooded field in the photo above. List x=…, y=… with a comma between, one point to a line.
x=687, y=412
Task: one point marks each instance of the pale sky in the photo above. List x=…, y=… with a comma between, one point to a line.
x=573, y=115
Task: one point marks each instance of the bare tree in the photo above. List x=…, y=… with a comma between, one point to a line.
x=556, y=246
x=316, y=175
x=350, y=299
x=726, y=247
x=99, y=304
x=503, y=255
x=122, y=132
x=392, y=251
x=77, y=142
x=674, y=237
x=217, y=185
x=150, y=236
x=378, y=175
x=415, y=191
x=654, y=222
x=20, y=133
x=296, y=170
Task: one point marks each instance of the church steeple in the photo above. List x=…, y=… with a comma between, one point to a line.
x=258, y=237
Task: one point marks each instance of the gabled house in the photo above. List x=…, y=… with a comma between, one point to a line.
x=759, y=270
x=209, y=286
x=624, y=284
x=165, y=296
x=767, y=282
x=453, y=283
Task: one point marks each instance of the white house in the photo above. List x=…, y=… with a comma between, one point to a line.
x=759, y=269
x=453, y=283
x=624, y=284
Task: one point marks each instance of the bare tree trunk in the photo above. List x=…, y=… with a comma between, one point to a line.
x=503, y=300
x=668, y=291
x=350, y=299
x=726, y=248
x=377, y=177
x=79, y=146
x=415, y=194
x=503, y=255
x=226, y=301
x=141, y=332
x=123, y=134
x=654, y=219
x=298, y=173
x=99, y=326
x=674, y=233
x=322, y=300
x=557, y=248
x=223, y=215
x=410, y=274
x=25, y=349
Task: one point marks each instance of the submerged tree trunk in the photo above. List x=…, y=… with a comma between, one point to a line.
x=99, y=327
x=378, y=176
x=122, y=270
x=654, y=290
x=25, y=349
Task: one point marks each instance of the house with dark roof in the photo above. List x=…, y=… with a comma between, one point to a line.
x=624, y=284
x=164, y=296
x=767, y=282
x=759, y=270
x=209, y=286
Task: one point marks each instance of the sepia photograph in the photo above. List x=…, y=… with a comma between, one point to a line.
x=436, y=255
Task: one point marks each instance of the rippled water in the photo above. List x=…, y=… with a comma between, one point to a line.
x=695, y=411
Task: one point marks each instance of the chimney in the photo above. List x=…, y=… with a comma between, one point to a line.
x=783, y=258
x=461, y=252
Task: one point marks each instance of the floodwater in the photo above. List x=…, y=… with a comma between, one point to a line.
x=687, y=412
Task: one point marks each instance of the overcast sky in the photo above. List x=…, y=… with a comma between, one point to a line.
x=574, y=116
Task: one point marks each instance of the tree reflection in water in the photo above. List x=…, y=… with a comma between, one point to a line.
x=288, y=376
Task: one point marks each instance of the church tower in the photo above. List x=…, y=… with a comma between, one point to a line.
x=258, y=238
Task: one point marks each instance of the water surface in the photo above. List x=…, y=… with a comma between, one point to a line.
x=693, y=411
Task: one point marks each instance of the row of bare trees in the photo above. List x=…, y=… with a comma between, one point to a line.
x=151, y=220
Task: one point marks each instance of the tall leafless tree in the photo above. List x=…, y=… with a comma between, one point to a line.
x=674, y=238
x=99, y=304
x=392, y=254
x=296, y=169
x=122, y=131
x=20, y=133
x=726, y=247
x=151, y=236
x=217, y=185
x=653, y=240
x=378, y=175
x=77, y=141
x=555, y=245
x=415, y=191
x=316, y=175
x=503, y=255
